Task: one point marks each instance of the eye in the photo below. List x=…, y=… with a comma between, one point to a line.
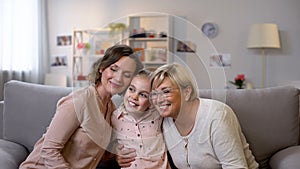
x=131, y=89
x=127, y=75
x=114, y=68
x=166, y=91
x=144, y=95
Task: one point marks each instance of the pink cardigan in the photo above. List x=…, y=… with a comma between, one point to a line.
x=77, y=136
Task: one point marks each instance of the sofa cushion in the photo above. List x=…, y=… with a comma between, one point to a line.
x=268, y=117
x=28, y=110
x=11, y=154
x=1, y=119
x=287, y=158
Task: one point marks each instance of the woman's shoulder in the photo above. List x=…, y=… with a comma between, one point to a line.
x=81, y=97
x=214, y=108
x=212, y=103
x=87, y=91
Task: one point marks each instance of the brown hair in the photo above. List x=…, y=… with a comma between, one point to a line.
x=111, y=56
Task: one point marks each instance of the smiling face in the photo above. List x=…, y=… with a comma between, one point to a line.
x=117, y=76
x=166, y=97
x=136, y=98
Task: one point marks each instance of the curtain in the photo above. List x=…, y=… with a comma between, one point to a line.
x=22, y=43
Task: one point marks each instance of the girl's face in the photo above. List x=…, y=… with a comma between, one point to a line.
x=136, y=98
x=117, y=76
x=167, y=98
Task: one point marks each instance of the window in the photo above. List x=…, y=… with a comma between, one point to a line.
x=19, y=31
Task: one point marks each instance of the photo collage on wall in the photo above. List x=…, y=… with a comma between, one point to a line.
x=60, y=60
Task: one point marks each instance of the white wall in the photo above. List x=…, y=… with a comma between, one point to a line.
x=233, y=17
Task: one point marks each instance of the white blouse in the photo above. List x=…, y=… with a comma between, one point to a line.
x=216, y=140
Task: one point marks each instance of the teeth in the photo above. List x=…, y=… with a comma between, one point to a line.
x=163, y=107
x=132, y=104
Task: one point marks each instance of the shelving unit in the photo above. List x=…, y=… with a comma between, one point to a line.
x=151, y=35
x=88, y=46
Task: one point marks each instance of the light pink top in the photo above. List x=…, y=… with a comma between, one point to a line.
x=77, y=136
x=145, y=136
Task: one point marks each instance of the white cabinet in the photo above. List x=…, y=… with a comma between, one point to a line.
x=88, y=46
x=151, y=36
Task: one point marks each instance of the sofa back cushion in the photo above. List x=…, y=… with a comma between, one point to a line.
x=1, y=119
x=268, y=117
x=28, y=110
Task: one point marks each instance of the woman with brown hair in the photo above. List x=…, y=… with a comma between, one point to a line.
x=80, y=130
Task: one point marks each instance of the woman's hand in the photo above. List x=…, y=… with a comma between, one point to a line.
x=125, y=156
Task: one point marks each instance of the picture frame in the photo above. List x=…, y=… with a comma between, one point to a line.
x=186, y=46
x=59, y=61
x=156, y=54
x=64, y=40
x=220, y=60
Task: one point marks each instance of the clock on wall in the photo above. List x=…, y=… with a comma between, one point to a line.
x=210, y=29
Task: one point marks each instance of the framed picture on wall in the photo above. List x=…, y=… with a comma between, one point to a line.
x=220, y=60
x=186, y=46
x=65, y=40
x=58, y=60
x=157, y=54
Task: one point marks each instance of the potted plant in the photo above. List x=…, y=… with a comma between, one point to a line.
x=239, y=81
x=116, y=27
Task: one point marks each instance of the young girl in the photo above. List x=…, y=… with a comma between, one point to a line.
x=136, y=125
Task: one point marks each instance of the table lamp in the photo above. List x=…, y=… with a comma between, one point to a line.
x=263, y=36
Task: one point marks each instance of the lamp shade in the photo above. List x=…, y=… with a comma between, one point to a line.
x=263, y=36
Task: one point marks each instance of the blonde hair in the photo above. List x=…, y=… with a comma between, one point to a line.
x=178, y=74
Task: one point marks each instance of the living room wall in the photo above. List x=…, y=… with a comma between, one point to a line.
x=233, y=18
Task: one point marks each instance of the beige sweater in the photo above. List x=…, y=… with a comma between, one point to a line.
x=77, y=136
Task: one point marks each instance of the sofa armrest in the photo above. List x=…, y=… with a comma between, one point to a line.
x=12, y=154
x=286, y=158
x=1, y=119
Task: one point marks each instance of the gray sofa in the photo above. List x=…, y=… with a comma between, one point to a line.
x=269, y=119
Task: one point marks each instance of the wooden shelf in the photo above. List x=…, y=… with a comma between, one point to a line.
x=147, y=39
x=154, y=51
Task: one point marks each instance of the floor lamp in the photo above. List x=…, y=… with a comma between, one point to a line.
x=263, y=36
